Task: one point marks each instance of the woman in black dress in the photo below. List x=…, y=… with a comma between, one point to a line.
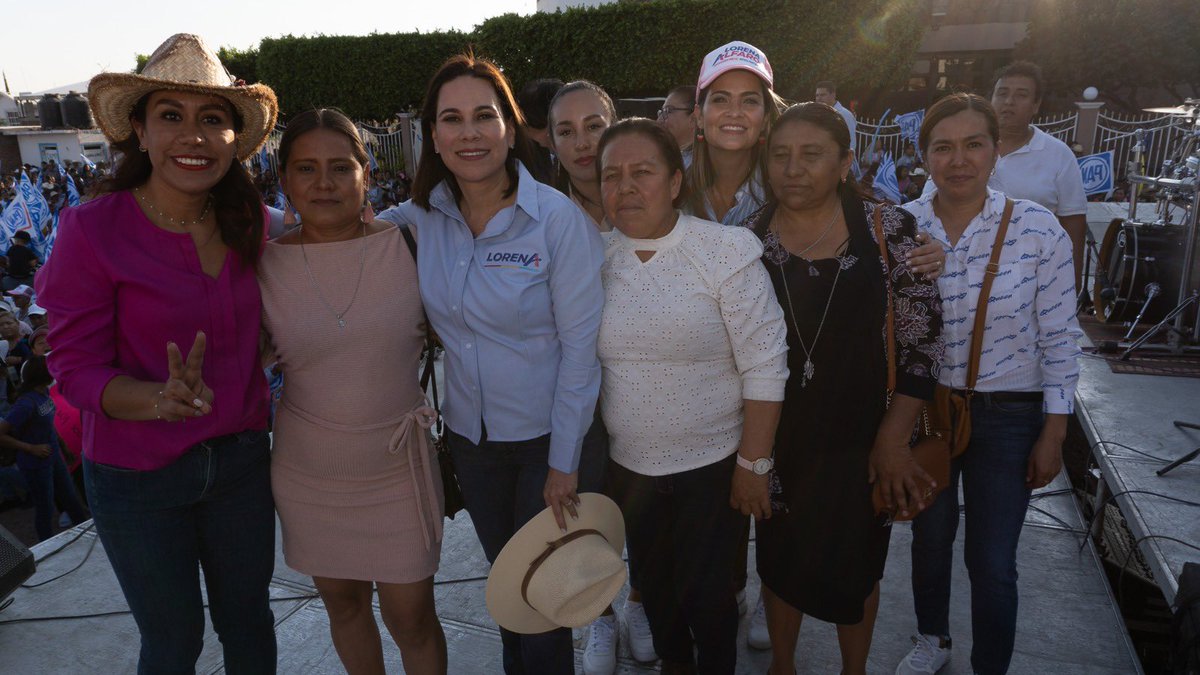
x=822, y=552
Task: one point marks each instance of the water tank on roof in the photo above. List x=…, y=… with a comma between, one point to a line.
x=50, y=112
x=76, y=112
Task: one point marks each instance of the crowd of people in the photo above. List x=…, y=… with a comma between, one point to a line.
x=655, y=333
x=52, y=177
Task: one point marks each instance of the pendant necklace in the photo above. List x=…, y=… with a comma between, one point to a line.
x=362, y=256
x=812, y=270
x=809, y=368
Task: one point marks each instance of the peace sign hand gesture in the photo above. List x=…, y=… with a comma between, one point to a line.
x=184, y=394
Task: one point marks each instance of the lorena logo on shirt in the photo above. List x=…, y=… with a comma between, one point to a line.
x=509, y=260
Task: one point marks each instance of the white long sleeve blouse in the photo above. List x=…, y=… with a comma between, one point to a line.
x=684, y=338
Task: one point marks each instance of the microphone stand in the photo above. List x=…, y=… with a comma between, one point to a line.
x=1186, y=458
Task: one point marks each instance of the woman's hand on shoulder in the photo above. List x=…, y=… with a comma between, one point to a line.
x=928, y=259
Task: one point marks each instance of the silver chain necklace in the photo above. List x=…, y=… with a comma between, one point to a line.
x=809, y=368
x=837, y=212
x=362, y=257
x=178, y=223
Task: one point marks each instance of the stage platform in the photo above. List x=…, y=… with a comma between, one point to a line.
x=1137, y=411
x=1067, y=624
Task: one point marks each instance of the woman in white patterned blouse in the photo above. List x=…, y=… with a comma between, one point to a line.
x=693, y=350
x=1025, y=388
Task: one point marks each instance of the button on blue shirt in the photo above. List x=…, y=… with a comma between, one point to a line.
x=517, y=309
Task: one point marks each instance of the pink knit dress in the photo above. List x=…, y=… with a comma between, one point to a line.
x=355, y=480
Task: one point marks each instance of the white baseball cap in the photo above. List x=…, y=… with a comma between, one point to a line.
x=735, y=55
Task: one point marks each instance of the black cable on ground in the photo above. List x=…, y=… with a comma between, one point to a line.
x=1127, y=447
x=76, y=567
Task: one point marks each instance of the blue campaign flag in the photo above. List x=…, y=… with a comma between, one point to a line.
x=910, y=127
x=281, y=201
x=264, y=159
x=371, y=158
x=886, y=185
x=1097, y=172
x=39, y=209
x=72, y=192
x=86, y=160
x=16, y=217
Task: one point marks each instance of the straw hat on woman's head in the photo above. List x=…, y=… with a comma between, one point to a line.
x=545, y=579
x=183, y=63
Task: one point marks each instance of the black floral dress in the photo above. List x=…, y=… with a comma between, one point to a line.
x=824, y=555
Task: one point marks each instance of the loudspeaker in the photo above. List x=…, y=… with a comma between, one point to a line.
x=16, y=563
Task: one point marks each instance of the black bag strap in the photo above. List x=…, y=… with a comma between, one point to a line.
x=428, y=380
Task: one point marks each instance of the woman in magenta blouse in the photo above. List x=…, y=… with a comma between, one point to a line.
x=154, y=315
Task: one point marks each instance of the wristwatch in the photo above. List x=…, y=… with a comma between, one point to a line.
x=759, y=467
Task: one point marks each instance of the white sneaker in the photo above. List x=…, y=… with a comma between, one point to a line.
x=641, y=641
x=600, y=655
x=756, y=635
x=741, y=602
x=927, y=656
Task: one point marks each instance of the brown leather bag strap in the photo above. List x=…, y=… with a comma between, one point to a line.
x=989, y=274
x=887, y=285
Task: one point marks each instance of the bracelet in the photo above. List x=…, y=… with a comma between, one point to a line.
x=158, y=414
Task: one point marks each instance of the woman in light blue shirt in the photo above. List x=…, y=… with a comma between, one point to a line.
x=509, y=272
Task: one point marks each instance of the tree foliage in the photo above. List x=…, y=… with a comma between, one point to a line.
x=369, y=76
x=630, y=48
x=1128, y=49
x=644, y=49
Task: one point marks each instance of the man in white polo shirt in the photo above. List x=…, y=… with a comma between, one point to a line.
x=826, y=92
x=1034, y=165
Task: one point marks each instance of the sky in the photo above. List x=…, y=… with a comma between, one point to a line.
x=44, y=45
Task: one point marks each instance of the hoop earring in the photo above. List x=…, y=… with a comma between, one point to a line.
x=141, y=148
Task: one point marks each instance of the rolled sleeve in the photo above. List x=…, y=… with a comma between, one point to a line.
x=78, y=295
x=754, y=321
x=1058, y=330
x=577, y=298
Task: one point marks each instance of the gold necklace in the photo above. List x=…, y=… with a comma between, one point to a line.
x=145, y=201
x=362, y=257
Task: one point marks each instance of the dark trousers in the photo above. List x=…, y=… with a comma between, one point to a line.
x=210, y=509
x=992, y=471
x=50, y=483
x=502, y=485
x=683, y=537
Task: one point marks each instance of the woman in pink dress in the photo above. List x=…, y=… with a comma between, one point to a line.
x=355, y=483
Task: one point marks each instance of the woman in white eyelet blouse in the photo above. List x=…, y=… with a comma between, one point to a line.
x=693, y=349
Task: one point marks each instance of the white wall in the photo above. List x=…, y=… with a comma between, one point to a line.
x=68, y=143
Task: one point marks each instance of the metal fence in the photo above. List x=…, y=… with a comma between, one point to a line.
x=887, y=137
x=384, y=143
x=1118, y=133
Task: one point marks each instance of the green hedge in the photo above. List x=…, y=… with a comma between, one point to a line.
x=631, y=49
x=373, y=76
x=643, y=49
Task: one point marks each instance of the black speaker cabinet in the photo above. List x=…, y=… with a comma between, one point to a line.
x=16, y=563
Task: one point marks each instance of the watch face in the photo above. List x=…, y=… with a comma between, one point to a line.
x=762, y=466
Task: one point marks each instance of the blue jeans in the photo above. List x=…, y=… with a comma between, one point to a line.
x=502, y=485
x=211, y=508
x=47, y=481
x=992, y=471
